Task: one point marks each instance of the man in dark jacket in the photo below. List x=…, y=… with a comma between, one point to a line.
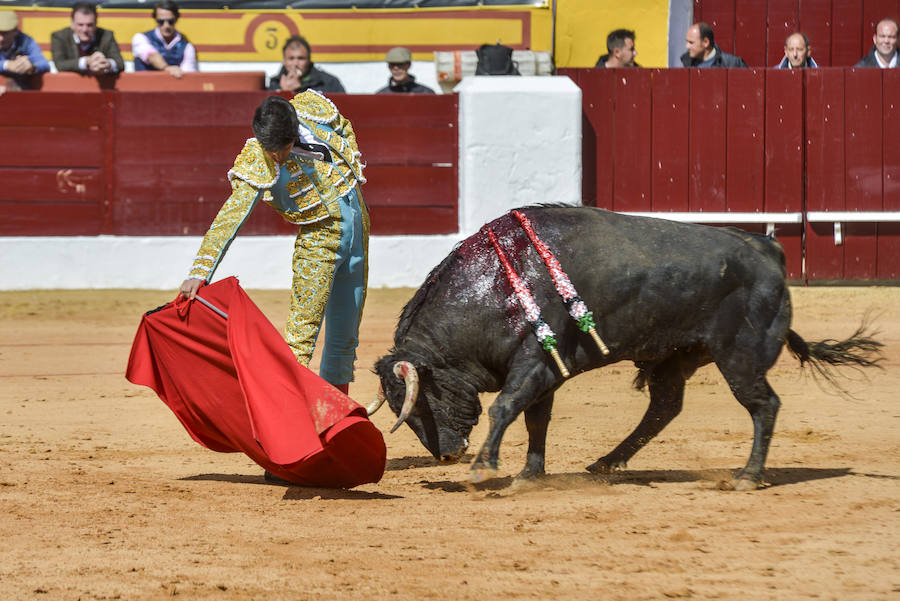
x=703, y=52
x=884, y=53
x=399, y=60
x=620, y=50
x=796, y=53
x=83, y=47
x=298, y=73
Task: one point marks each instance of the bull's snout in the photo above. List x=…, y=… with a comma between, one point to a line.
x=456, y=455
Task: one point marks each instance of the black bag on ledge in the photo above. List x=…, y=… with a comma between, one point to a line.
x=495, y=59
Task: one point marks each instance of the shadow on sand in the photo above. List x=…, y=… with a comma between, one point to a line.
x=404, y=463
x=295, y=492
x=774, y=477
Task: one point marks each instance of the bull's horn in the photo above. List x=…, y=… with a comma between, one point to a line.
x=407, y=371
x=378, y=402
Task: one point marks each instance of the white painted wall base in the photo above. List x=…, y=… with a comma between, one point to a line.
x=160, y=263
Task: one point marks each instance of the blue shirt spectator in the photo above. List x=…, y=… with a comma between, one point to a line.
x=20, y=55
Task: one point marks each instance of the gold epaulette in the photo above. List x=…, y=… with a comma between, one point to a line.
x=254, y=166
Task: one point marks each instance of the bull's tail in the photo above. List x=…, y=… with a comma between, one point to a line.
x=859, y=350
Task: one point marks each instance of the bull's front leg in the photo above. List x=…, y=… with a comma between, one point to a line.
x=537, y=418
x=519, y=393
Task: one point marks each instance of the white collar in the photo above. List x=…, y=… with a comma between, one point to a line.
x=889, y=65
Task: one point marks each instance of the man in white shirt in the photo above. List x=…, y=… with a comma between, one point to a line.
x=884, y=52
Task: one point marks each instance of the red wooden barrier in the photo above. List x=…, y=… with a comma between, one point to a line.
x=52, y=164
x=840, y=31
x=150, y=81
x=755, y=148
x=155, y=163
x=746, y=140
x=669, y=130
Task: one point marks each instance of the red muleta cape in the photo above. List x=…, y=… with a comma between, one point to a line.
x=235, y=386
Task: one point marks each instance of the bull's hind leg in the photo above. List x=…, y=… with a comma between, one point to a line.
x=666, y=386
x=755, y=394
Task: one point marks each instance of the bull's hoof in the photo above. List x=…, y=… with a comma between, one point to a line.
x=740, y=483
x=604, y=465
x=482, y=474
x=530, y=474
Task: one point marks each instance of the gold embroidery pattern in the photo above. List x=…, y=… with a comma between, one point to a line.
x=315, y=253
x=223, y=228
x=254, y=166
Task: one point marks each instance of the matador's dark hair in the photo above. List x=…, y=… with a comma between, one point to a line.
x=275, y=123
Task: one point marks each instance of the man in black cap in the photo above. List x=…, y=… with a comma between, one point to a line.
x=399, y=59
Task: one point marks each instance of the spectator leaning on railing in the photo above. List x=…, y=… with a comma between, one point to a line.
x=164, y=48
x=83, y=47
x=20, y=55
x=884, y=53
x=703, y=52
x=796, y=53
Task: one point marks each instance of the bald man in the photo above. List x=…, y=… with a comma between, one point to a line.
x=796, y=53
x=703, y=52
x=884, y=53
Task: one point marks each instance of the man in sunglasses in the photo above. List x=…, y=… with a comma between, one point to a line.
x=163, y=48
x=401, y=81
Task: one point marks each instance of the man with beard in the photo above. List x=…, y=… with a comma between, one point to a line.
x=703, y=52
x=620, y=50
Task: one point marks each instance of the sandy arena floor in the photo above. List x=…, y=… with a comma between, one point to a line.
x=104, y=496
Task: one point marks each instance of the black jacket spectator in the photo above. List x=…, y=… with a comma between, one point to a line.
x=407, y=86
x=601, y=62
x=868, y=60
x=316, y=79
x=720, y=60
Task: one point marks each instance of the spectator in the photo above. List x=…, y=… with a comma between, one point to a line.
x=703, y=52
x=399, y=59
x=884, y=53
x=620, y=50
x=298, y=73
x=164, y=48
x=83, y=47
x=796, y=53
x=20, y=55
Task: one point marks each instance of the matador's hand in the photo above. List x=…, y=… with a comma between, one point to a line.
x=190, y=287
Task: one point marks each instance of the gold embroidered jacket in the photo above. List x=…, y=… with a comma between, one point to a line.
x=302, y=190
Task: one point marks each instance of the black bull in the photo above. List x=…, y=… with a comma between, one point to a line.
x=668, y=296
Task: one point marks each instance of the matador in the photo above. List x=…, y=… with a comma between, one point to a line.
x=304, y=163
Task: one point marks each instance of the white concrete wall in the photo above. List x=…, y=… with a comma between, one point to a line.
x=519, y=144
